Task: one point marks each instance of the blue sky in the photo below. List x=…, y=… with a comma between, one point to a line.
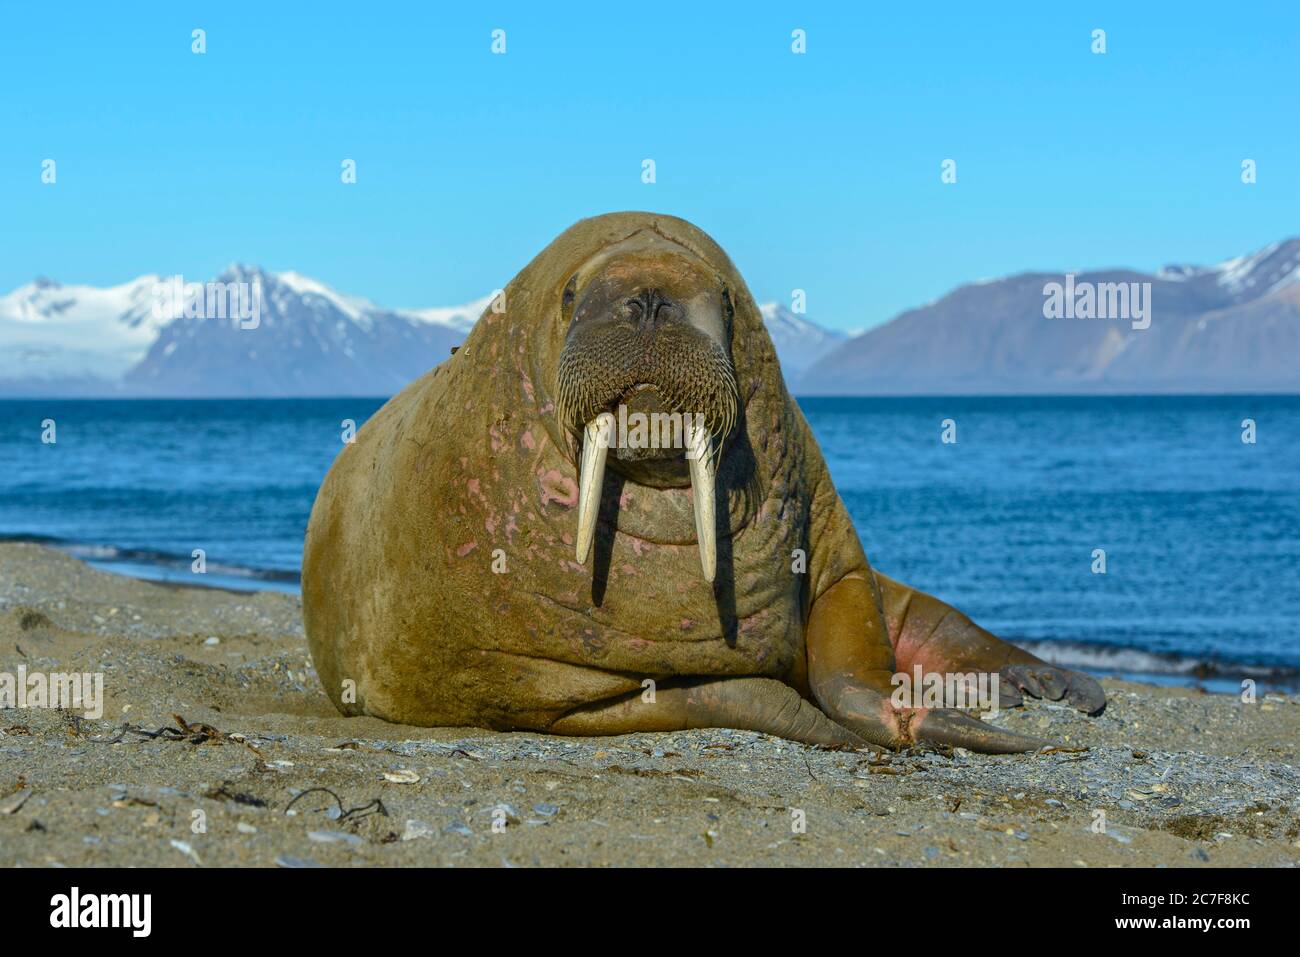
x=819, y=172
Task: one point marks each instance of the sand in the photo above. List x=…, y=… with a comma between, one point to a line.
x=263, y=771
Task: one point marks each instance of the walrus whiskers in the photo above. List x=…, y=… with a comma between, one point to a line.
x=693, y=375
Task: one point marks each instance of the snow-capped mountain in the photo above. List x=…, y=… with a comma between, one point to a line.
x=1245, y=277
x=52, y=333
x=461, y=318
x=1231, y=327
x=799, y=342
x=157, y=335
x=295, y=336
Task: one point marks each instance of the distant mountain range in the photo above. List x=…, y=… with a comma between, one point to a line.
x=137, y=339
x=1233, y=327
x=799, y=342
x=308, y=340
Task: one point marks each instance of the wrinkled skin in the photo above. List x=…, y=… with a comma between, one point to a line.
x=441, y=586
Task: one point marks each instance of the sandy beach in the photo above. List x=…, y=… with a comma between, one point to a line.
x=216, y=747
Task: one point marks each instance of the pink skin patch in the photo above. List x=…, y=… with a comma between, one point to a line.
x=558, y=487
x=466, y=549
x=529, y=442
x=687, y=624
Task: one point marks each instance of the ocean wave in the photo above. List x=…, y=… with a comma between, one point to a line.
x=1127, y=660
x=145, y=558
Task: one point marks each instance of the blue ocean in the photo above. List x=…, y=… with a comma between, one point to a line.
x=1200, y=530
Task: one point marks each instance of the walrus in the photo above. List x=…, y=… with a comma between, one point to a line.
x=486, y=554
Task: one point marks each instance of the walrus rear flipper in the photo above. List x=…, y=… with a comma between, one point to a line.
x=850, y=669
x=750, y=704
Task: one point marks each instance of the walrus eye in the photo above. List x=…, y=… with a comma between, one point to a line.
x=570, y=293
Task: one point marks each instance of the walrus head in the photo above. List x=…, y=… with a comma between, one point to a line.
x=646, y=371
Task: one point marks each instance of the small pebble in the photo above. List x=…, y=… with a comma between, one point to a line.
x=415, y=830
x=185, y=848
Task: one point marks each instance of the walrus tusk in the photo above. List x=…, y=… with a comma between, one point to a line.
x=704, y=482
x=591, y=476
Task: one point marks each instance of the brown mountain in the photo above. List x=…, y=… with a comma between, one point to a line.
x=1234, y=327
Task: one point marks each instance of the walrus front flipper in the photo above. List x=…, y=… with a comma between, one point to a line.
x=1041, y=680
x=850, y=667
x=937, y=638
x=750, y=704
